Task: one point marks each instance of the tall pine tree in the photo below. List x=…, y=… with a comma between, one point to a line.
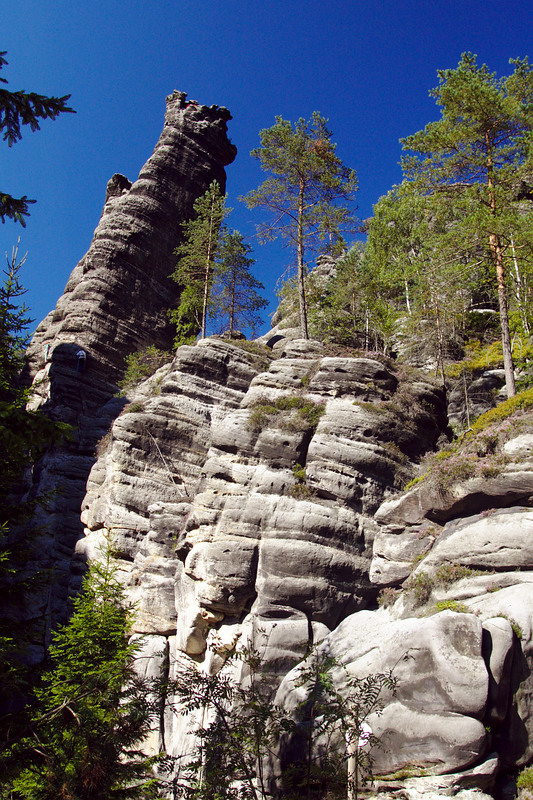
x=308, y=195
x=196, y=265
x=91, y=710
x=474, y=158
x=235, y=300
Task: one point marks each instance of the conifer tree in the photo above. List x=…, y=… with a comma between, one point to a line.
x=90, y=711
x=23, y=108
x=473, y=159
x=308, y=194
x=235, y=299
x=196, y=265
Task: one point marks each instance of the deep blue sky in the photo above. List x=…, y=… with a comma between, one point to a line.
x=366, y=66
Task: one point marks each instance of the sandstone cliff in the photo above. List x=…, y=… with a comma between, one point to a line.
x=115, y=302
x=256, y=493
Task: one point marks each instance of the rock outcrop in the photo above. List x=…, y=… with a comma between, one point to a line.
x=255, y=493
x=115, y=302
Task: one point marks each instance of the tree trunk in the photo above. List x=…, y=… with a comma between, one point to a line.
x=233, y=300
x=301, y=271
x=519, y=292
x=496, y=249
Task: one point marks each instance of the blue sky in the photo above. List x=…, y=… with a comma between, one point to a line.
x=366, y=66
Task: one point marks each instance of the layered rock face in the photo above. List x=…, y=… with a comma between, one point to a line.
x=254, y=494
x=259, y=500
x=240, y=495
x=114, y=303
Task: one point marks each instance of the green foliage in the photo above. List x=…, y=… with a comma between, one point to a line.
x=305, y=414
x=300, y=490
x=331, y=727
x=387, y=597
x=17, y=109
x=299, y=473
x=469, y=164
x=448, y=573
x=420, y=585
x=525, y=779
x=521, y=402
x=90, y=709
x=24, y=435
x=242, y=728
x=452, y=605
x=515, y=626
x=479, y=451
x=241, y=731
x=235, y=300
x=141, y=365
x=196, y=266
x=412, y=771
x=307, y=195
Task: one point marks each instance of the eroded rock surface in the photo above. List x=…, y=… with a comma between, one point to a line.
x=254, y=495
x=114, y=303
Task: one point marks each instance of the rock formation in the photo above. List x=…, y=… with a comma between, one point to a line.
x=257, y=493
x=115, y=302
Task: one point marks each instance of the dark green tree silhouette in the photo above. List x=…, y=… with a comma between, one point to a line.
x=17, y=109
x=235, y=298
x=91, y=709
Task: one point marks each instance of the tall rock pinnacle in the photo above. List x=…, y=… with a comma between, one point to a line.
x=116, y=298
x=114, y=303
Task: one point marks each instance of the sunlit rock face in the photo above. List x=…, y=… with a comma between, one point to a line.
x=115, y=302
x=240, y=495
x=232, y=511
x=255, y=495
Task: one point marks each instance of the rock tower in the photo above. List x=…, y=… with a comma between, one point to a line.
x=114, y=303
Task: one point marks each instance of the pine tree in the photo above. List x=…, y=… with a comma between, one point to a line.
x=196, y=265
x=235, y=299
x=23, y=108
x=90, y=710
x=308, y=195
x=474, y=159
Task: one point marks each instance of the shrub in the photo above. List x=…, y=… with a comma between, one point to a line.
x=450, y=573
x=452, y=605
x=141, y=365
x=525, y=779
x=103, y=443
x=304, y=414
x=133, y=408
x=523, y=401
x=421, y=586
x=387, y=597
x=301, y=491
x=478, y=452
x=516, y=627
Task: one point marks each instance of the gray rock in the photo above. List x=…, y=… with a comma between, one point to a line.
x=115, y=302
x=434, y=720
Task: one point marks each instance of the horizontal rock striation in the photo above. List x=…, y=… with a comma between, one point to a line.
x=258, y=502
x=241, y=498
x=115, y=302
